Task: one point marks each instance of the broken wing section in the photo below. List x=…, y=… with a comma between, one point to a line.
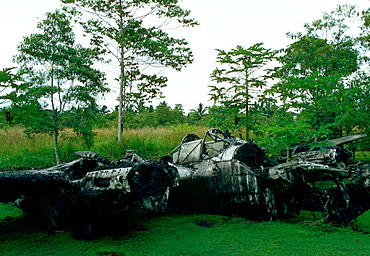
x=323, y=180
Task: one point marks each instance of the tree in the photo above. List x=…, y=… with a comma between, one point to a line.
x=59, y=76
x=83, y=120
x=164, y=115
x=7, y=81
x=316, y=68
x=199, y=113
x=282, y=135
x=353, y=104
x=120, y=28
x=310, y=76
x=244, y=79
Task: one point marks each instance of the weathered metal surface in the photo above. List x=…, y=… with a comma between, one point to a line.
x=107, y=180
x=216, y=173
x=90, y=190
x=250, y=183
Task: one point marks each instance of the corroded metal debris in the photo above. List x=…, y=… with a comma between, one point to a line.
x=241, y=179
x=216, y=174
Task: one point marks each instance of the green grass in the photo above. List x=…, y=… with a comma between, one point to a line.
x=18, y=151
x=363, y=156
x=190, y=235
x=8, y=212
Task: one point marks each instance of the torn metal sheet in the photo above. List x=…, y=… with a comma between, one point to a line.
x=107, y=180
x=216, y=173
x=244, y=179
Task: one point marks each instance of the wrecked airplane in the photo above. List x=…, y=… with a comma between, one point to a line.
x=217, y=174
x=241, y=179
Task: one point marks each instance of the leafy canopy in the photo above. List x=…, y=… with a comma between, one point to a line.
x=316, y=67
x=131, y=33
x=58, y=74
x=243, y=77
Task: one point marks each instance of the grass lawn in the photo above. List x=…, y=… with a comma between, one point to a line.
x=363, y=156
x=190, y=235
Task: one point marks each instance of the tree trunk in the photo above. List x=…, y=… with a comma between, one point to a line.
x=120, y=112
x=121, y=98
x=246, y=104
x=56, y=146
x=122, y=85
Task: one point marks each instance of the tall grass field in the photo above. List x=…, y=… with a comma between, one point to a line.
x=18, y=151
x=167, y=234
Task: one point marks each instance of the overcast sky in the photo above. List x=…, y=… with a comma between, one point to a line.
x=224, y=25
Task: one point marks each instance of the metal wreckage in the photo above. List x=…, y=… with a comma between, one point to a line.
x=217, y=174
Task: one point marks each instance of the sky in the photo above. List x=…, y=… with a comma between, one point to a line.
x=223, y=25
